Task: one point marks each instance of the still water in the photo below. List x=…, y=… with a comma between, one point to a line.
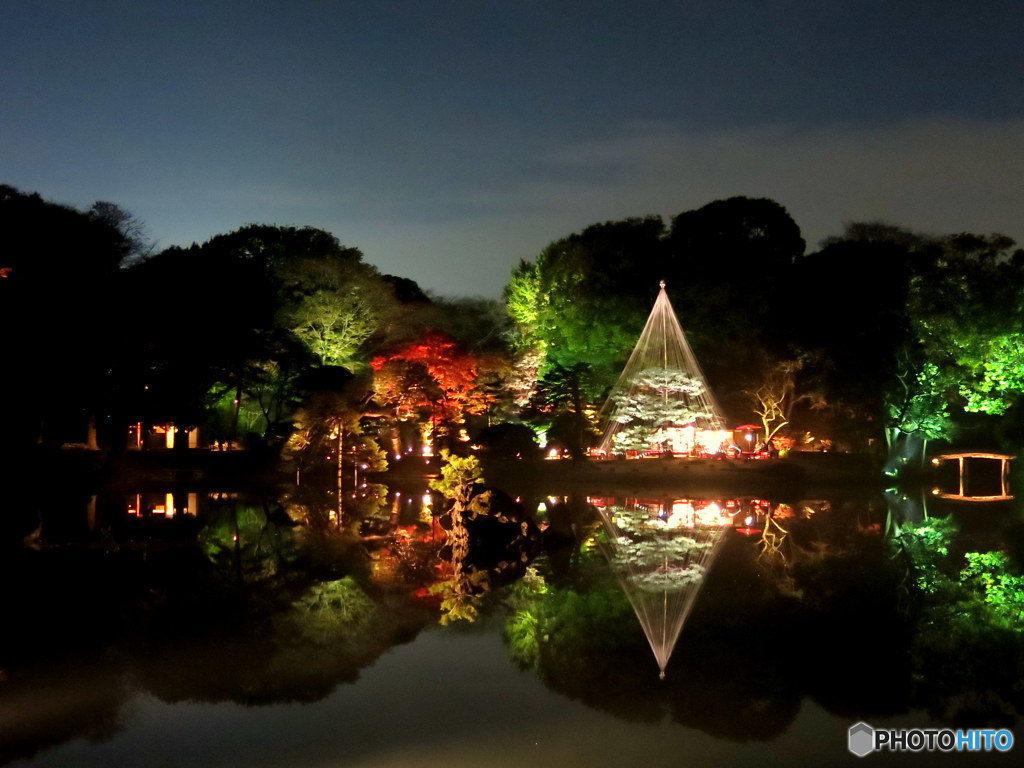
x=177, y=627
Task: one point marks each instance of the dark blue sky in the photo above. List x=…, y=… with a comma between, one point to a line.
x=449, y=139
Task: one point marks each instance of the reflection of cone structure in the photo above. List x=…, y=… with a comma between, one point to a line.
x=662, y=348
x=660, y=568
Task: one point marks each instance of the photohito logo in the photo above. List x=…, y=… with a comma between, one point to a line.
x=862, y=740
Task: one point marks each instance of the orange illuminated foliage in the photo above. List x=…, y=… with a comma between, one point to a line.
x=433, y=373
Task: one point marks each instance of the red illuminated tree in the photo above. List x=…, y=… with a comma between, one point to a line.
x=431, y=377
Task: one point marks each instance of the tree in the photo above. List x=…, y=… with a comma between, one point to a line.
x=852, y=339
x=135, y=240
x=585, y=298
x=562, y=406
x=729, y=263
x=922, y=334
x=206, y=323
x=453, y=372
x=658, y=397
x=756, y=236
x=966, y=312
x=432, y=381
x=775, y=395
x=60, y=310
x=334, y=323
x=240, y=318
x=329, y=427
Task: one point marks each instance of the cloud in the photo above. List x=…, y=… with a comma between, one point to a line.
x=933, y=175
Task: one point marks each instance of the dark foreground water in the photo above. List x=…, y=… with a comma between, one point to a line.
x=266, y=632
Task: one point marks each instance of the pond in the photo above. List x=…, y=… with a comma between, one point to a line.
x=177, y=626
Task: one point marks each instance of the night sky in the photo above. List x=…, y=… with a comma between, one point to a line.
x=448, y=139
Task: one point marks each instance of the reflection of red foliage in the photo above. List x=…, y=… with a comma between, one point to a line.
x=419, y=533
x=783, y=512
x=423, y=593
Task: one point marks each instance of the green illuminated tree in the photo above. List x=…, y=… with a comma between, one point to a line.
x=969, y=624
x=923, y=331
x=585, y=297
x=334, y=323
x=966, y=311
x=563, y=407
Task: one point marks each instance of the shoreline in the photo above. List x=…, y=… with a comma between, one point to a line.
x=807, y=474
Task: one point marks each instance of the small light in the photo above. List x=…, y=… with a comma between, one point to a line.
x=935, y=491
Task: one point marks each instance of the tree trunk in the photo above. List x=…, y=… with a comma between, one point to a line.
x=90, y=439
x=233, y=432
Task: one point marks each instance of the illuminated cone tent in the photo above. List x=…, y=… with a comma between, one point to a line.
x=660, y=555
x=661, y=400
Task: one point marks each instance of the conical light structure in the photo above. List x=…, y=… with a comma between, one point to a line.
x=660, y=561
x=662, y=385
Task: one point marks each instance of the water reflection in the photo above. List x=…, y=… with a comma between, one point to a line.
x=229, y=598
x=275, y=597
x=660, y=553
x=761, y=634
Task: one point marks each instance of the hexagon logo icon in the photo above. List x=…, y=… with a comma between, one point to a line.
x=861, y=739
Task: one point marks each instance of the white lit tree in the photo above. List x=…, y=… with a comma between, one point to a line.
x=658, y=397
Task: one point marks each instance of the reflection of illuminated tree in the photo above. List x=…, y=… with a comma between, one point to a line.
x=253, y=542
x=297, y=649
x=951, y=645
x=580, y=638
x=577, y=639
x=661, y=565
x=335, y=613
x=977, y=588
x=489, y=538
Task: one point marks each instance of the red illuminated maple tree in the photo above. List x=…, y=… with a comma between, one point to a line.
x=431, y=375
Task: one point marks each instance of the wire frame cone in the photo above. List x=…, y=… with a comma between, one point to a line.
x=662, y=346
x=661, y=573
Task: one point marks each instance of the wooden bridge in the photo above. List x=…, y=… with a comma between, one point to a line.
x=961, y=458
